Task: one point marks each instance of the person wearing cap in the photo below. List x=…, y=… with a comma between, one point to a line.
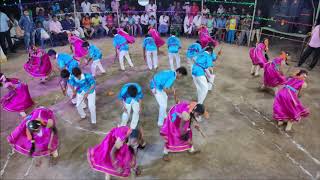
x=177, y=130
x=122, y=49
x=150, y=52
x=161, y=84
x=174, y=45
x=94, y=55
x=131, y=96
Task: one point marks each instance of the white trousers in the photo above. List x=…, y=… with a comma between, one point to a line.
x=187, y=30
x=210, y=79
x=135, y=106
x=171, y=57
x=122, y=55
x=70, y=94
x=94, y=65
x=92, y=106
x=152, y=59
x=162, y=99
x=255, y=70
x=202, y=87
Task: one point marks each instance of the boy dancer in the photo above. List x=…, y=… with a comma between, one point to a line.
x=150, y=52
x=174, y=45
x=95, y=56
x=122, y=49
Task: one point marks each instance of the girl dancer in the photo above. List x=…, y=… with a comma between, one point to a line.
x=205, y=38
x=130, y=39
x=115, y=155
x=176, y=129
x=76, y=47
x=156, y=36
x=18, y=98
x=258, y=56
x=273, y=74
x=286, y=106
x=38, y=65
x=36, y=135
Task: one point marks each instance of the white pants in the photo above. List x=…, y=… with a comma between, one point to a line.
x=177, y=57
x=202, y=87
x=94, y=65
x=122, y=55
x=162, y=99
x=187, y=30
x=70, y=94
x=135, y=106
x=92, y=106
x=255, y=70
x=152, y=61
x=210, y=79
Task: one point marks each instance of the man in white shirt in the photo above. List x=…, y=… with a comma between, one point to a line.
x=205, y=10
x=86, y=6
x=220, y=9
x=187, y=7
x=197, y=21
x=144, y=19
x=187, y=24
x=115, y=6
x=151, y=9
x=163, y=24
x=5, y=33
x=55, y=28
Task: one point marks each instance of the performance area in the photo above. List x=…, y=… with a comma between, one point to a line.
x=242, y=141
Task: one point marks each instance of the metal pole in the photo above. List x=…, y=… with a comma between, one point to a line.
x=74, y=12
x=118, y=17
x=202, y=7
x=317, y=15
x=253, y=16
x=20, y=6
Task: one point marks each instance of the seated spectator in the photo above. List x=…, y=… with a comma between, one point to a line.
x=59, y=36
x=188, y=24
x=46, y=22
x=15, y=32
x=79, y=30
x=144, y=20
x=86, y=6
x=27, y=26
x=195, y=9
x=138, y=28
x=87, y=29
x=205, y=10
x=163, y=24
x=176, y=24
x=40, y=35
x=115, y=6
x=95, y=7
x=40, y=17
x=67, y=23
x=97, y=25
x=152, y=21
x=131, y=24
x=55, y=8
x=124, y=21
x=220, y=10
x=211, y=24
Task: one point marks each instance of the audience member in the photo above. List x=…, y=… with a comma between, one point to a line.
x=87, y=29
x=86, y=6
x=5, y=33
x=59, y=36
x=115, y=6
x=138, y=28
x=144, y=20
x=26, y=24
x=256, y=26
x=151, y=9
x=164, y=24
x=220, y=10
x=152, y=21
x=195, y=9
x=97, y=25
x=188, y=24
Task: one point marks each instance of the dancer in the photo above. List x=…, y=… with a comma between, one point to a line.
x=18, y=98
x=174, y=45
x=130, y=39
x=192, y=52
x=65, y=86
x=63, y=60
x=156, y=36
x=205, y=38
x=84, y=86
x=273, y=74
x=36, y=135
x=150, y=49
x=177, y=131
x=76, y=47
x=115, y=155
x=201, y=75
x=287, y=106
x=161, y=84
x=258, y=56
x=38, y=65
x=94, y=55
x=122, y=49
x=131, y=96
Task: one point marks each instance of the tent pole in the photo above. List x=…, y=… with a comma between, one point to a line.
x=317, y=15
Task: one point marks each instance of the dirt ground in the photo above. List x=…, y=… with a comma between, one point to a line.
x=243, y=142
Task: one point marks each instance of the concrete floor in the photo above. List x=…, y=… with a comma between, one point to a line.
x=243, y=142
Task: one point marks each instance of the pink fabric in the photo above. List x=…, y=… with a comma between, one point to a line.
x=205, y=37
x=257, y=55
x=18, y=98
x=129, y=38
x=39, y=64
x=170, y=130
x=156, y=36
x=286, y=105
x=99, y=157
x=19, y=141
x=272, y=75
x=77, y=42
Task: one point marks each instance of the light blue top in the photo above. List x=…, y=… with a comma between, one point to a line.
x=163, y=80
x=193, y=50
x=203, y=61
x=173, y=44
x=95, y=53
x=123, y=95
x=65, y=61
x=120, y=43
x=84, y=83
x=214, y=57
x=149, y=44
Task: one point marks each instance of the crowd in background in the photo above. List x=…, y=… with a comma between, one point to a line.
x=49, y=24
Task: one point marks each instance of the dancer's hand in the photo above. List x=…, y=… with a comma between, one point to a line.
x=85, y=95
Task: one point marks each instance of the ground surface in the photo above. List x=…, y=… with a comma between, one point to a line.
x=242, y=140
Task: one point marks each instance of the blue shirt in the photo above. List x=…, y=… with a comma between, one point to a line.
x=95, y=53
x=149, y=44
x=213, y=57
x=123, y=95
x=65, y=61
x=173, y=44
x=83, y=84
x=221, y=23
x=26, y=24
x=203, y=61
x=120, y=43
x=163, y=80
x=193, y=50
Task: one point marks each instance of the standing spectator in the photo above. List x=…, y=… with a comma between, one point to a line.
x=187, y=7
x=152, y=21
x=195, y=9
x=243, y=12
x=104, y=24
x=151, y=9
x=67, y=23
x=58, y=36
x=211, y=24
x=97, y=25
x=131, y=24
x=39, y=39
x=234, y=10
x=245, y=29
x=204, y=20
x=197, y=21
x=110, y=22
x=144, y=19
x=178, y=7
x=46, y=22
x=27, y=25
x=188, y=24
x=77, y=25
x=125, y=7
x=221, y=24
x=38, y=8
x=5, y=33
x=115, y=6
x=40, y=16
x=86, y=6
x=86, y=23
x=256, y=26
x=95, y=7
x=163, y=24
x=176, y=24
x=138, y=28
x=55, y=8
x=15, y=31
x=205, y=10
x=102, y=5
x=232, y=26
x=220, y=10
x=115, y=20
x=124, y=21
x=171, y=10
